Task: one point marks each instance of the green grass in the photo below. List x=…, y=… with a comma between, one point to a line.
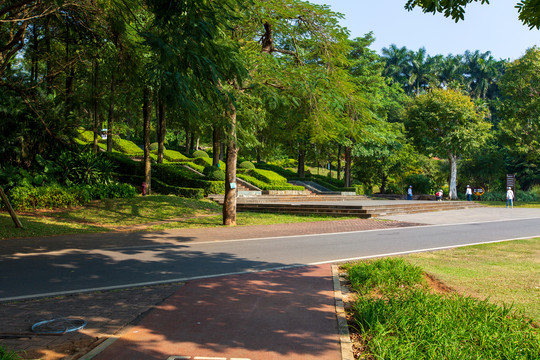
x=8, y=355
x=506, y=272
x=414, y=323
x=105, y=215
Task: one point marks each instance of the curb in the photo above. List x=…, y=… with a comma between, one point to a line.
x=343, y=327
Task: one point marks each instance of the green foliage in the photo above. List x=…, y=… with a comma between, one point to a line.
x=421, y=184
x=126, y=147
x=200, y=154
x=399, y=318
x=214, y=173
x=420, y=325
x=174, y=156
x=246, y=165
x=125, y=165
x=54, y=196
x=154, y=146
x=387, y=275
x=6, y=354
x=86, y=136
x=85, y=168
x=268, y=176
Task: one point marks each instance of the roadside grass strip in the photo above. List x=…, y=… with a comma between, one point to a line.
x=399, y=318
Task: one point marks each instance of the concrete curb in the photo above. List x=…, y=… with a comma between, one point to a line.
x=343, y=327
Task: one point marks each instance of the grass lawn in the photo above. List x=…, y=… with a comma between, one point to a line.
x=396, y=316
x=157, y=212
x=506, y=272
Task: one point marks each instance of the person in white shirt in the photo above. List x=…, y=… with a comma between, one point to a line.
x=510, y=197
x=409, y=193
x=468, y=192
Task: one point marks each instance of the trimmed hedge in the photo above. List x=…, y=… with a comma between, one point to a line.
x=265, y=186
x=126, y=147
x=55, y=196
x=214, y=173
x=174, y=156
x=246, y=165
x=200, y=154
x=125, y=165
x=268, y=176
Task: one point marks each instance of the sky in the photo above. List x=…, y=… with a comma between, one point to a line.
x=494, y=27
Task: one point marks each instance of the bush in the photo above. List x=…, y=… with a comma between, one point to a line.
x=174, y=156
x=214, y=173
x=246, y=165
x=154, y=146
x=200, y=154
x=421, y=184
x=125, y=165
x=54, y=196
x=126, y=147
x=268, y=177
x=84, y=168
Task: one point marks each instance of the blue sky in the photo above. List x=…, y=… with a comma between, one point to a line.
x=494, y=27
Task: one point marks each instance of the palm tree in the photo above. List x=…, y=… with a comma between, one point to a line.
x=482, y=72
x=452, y=69
x=422, y=70
x=396, y=64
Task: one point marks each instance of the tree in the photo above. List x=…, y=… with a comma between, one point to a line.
x=519, y=131
x=529, y=10
x=446, y=124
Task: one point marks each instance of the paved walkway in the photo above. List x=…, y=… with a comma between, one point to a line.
x=287, y=314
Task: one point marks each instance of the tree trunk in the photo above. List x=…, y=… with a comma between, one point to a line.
x=69, y=77
x=48, y=77
x=384, y=178
x=110, y=122
x=187, y=139
x=215, y=145
x=229, y=202
x=192, y=141
x=95, y=105
x=221, y=151
x=453, y=177
x=347, y=166
x=339, y=162
x=301, y=163
x=162, y=130
x=147, y=104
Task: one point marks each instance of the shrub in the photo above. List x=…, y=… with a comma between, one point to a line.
x=214, y=173
x=126, y=147
x=55, y=196
x=125, y=165
x=268, y=176
x=174, y=156
x=200, y=154
x=246, y=165
x=421, y=184
x=85, y=168
x=86, y=136
x=154, y=146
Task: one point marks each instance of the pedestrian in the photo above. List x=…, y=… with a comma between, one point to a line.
x=468, y=192
x=409, y=193
x=510, y=197
x=439, y=195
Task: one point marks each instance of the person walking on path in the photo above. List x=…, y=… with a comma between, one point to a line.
x=409, y=193
x=510, y=197
x=468, y=192
x=439, y=195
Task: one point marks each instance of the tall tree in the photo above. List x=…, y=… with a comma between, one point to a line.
x=447, y=124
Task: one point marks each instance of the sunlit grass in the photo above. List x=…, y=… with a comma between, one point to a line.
x=167, y=212
x=396, y=319
x=506, y=272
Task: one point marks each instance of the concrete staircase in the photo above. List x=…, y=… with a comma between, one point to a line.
x=342, y=205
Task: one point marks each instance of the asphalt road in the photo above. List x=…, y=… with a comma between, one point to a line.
x=33, y=272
